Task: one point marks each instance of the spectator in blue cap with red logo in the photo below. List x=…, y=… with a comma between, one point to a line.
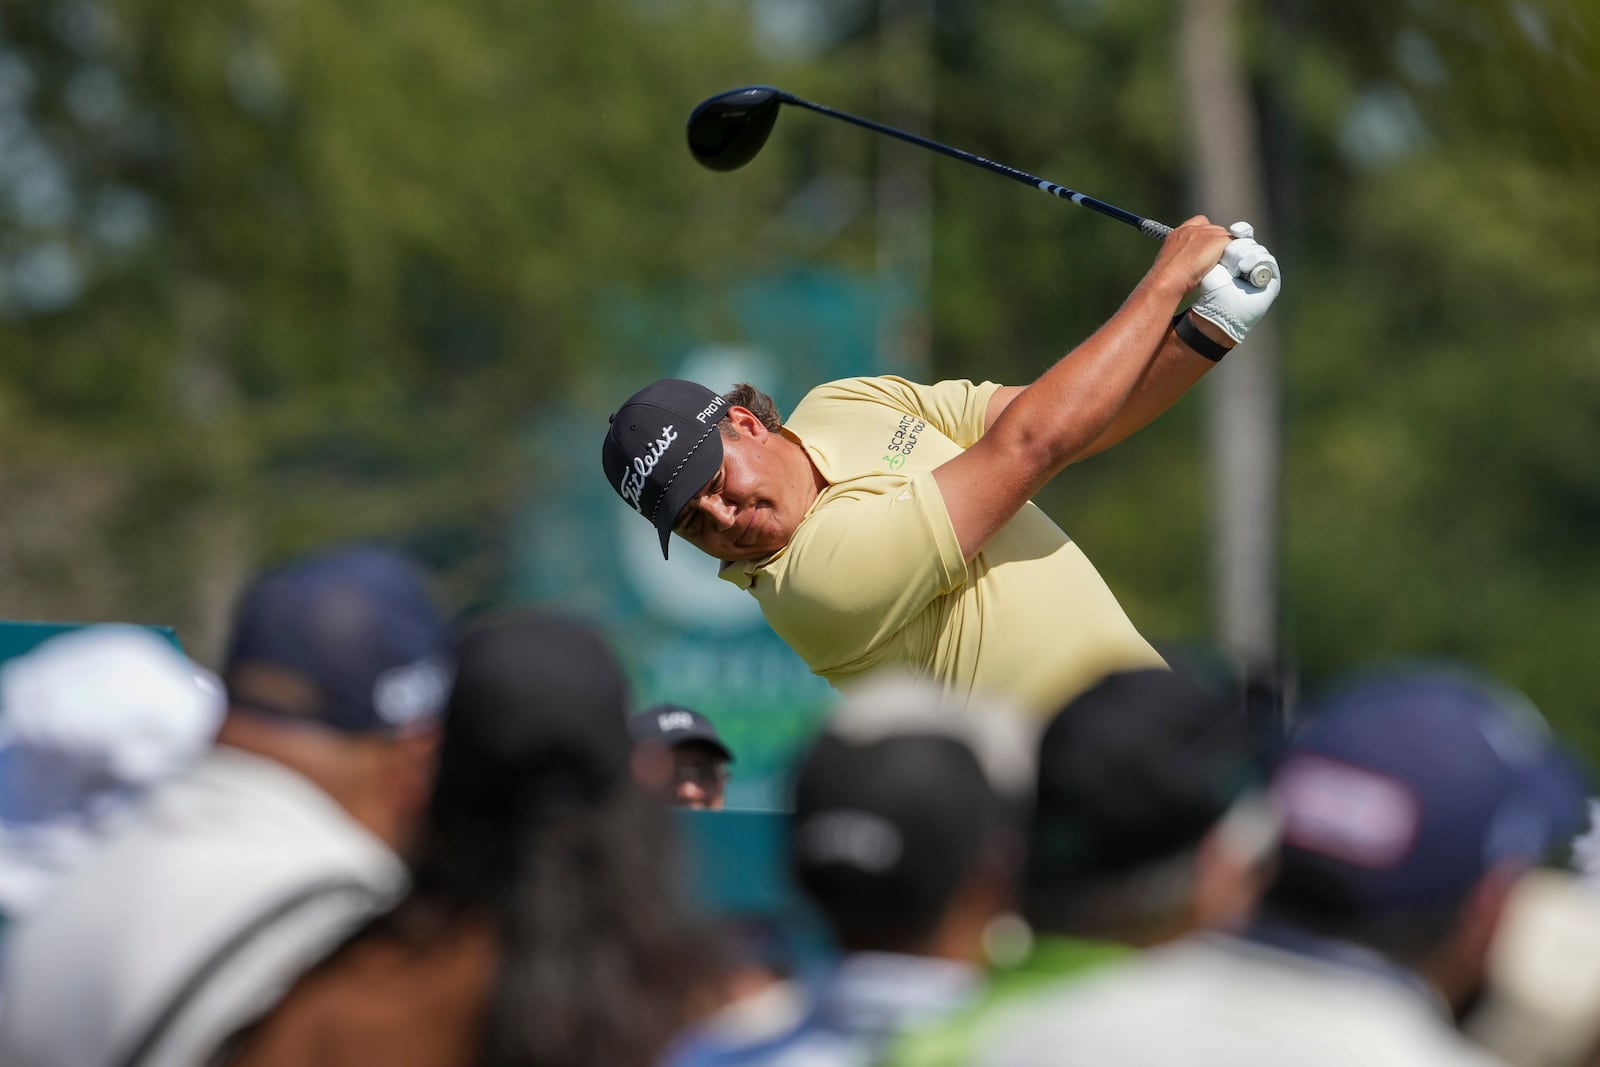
x=246, y=868
x=1414, y=800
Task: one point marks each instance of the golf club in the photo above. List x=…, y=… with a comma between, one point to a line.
x=726, y=131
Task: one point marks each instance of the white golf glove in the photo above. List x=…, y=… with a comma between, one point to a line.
x=1225, y=295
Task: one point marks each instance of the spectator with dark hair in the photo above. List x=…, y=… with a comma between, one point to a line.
x=682, y=757
x=1413, y=802
x=906, y=838
x=249, y=866
x=1149, y=821
x=545, y=924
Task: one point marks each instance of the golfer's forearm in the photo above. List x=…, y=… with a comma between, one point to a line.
x=1175, y=369
x=1074, y=404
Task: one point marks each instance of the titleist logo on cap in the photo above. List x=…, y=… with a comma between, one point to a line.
x=633, y=476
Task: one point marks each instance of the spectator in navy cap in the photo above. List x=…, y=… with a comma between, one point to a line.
x=249, y=866
x=683, y=759
x=1413, y=801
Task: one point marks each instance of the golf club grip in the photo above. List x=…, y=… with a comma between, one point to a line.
x=1260, y=275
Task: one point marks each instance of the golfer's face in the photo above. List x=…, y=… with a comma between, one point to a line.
x=745, y=511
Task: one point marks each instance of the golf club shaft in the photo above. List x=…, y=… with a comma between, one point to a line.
x=1150, y=227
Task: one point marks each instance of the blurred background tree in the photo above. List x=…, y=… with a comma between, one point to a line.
x=277, y=272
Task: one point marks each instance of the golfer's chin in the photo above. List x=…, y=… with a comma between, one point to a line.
x=757, y=542
x=751, y=553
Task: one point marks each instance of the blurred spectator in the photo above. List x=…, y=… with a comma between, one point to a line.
x=906, y=837
x=1413, y=801
x=544, y=924
x=247, y=867
x=1150, y=821
x=90, y=720
x=682, y=759
x=1541, y=1002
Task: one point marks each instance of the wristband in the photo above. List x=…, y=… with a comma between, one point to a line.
x=1198, y=342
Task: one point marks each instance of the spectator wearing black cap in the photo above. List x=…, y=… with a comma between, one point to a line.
x=682, y=758
x=246, y=868
x=1149, y=821
x=906, y=837
x=545, y=925
x=1412, y=801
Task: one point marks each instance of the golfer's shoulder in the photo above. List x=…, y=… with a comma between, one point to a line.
x=888, y=390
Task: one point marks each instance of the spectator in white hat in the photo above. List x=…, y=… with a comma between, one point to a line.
x=89, y=720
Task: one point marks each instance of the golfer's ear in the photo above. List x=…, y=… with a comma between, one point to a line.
x=748, y=423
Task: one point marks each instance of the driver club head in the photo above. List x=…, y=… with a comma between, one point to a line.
x=726, y=131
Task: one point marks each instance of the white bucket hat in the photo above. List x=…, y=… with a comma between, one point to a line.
x=90, y=720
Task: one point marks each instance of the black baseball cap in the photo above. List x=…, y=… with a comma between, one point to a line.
x=348, y=637
x=661, y=447
x=538, y=695
x=673, y=724
x=534, y=734
x=895, y=801
x=1136, y=769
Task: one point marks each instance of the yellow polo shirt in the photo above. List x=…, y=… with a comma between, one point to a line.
x=873, y=575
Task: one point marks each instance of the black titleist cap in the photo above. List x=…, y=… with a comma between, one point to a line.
x=661, y=447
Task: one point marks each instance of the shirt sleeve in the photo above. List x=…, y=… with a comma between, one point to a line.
x=861, y=569
x=957, y=407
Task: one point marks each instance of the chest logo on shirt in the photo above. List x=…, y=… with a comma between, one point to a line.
x=903, y=441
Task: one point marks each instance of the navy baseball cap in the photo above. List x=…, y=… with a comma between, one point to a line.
x=672, y=724
x=349, y=638
x=661, y=447
x=1405, y=786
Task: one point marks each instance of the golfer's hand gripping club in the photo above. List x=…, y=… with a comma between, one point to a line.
x=1247, y=259
x=1229, y=295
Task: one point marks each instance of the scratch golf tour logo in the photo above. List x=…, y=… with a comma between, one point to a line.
x=903, y=441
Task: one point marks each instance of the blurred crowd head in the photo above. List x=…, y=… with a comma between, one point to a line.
x=1415, y=811
x=906, y=801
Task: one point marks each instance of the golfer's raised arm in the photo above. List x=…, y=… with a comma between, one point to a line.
x=1063, y=414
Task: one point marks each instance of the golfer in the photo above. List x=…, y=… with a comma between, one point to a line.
x=890, y=523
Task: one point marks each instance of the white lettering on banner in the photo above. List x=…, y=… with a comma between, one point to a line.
x=674, y=720
x=710, y=409
x=632, y=486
